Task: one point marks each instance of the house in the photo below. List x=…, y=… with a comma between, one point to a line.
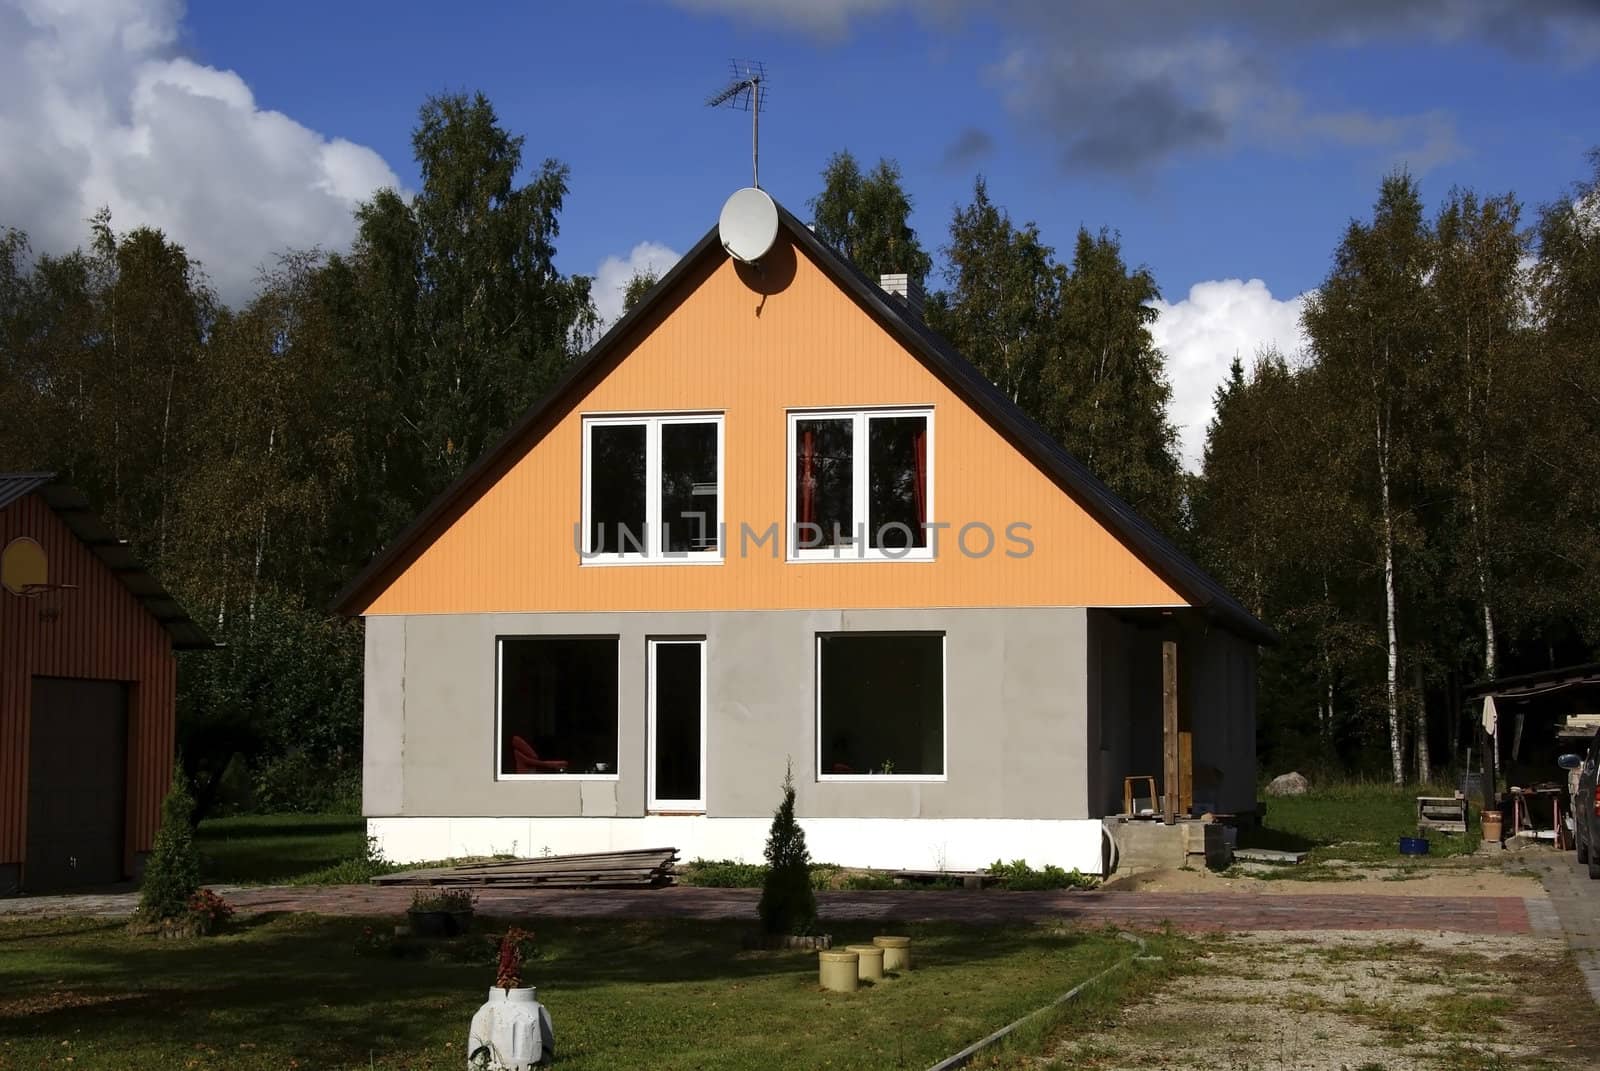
x=88, y=685
x=772, y=520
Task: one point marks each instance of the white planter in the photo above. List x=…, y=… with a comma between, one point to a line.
x=511, y=1032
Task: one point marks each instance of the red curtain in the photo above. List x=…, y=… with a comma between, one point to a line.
x=919, y=446
x=808, y=478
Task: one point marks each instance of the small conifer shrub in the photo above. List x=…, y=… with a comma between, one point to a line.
x=172, y=872
x=788, y=906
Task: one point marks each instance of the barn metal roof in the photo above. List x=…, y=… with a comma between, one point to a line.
x=73, y=508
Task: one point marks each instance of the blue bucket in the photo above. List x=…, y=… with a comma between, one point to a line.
x=1413, y=845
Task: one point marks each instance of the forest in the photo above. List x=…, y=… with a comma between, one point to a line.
x=1410, y=502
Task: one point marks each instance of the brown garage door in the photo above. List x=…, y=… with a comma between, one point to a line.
x=77, y=783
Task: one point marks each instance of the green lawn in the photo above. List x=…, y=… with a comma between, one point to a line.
x=281, y=849
x=1358, y=823
x=290, y=991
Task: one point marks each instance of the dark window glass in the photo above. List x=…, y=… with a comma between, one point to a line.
x=558, y=705
x=689, y=487
x=616, y=488
x=882, y=704
x=824, y=465
x=677, y=726
x=897, y=482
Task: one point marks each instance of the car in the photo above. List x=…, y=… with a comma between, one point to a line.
x=1586, y=804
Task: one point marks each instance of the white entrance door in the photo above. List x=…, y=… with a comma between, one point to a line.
x=677, y=724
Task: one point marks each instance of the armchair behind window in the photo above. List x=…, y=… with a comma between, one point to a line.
x=527, y=760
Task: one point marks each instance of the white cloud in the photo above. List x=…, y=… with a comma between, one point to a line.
x=611, y=278
x=97, y=108
x=828, y=18
x=1123, y=87
x=1203, y=333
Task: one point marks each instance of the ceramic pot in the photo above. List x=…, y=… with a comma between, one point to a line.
x=440, y=923
x=511, y=1032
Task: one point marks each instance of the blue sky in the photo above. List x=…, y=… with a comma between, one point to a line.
x=615, y=91
x=1227, y=142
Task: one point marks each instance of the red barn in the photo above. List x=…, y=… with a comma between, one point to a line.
x=88, y=685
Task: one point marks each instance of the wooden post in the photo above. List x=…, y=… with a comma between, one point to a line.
x=1169, y=731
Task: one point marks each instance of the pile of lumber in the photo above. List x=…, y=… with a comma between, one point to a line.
x=1580, y=725
x=640, y=869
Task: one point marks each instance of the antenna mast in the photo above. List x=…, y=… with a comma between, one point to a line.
x=746, y=92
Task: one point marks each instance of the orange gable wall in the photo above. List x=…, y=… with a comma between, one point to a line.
x=722, y=348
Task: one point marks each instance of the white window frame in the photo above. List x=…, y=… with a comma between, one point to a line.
x=652, y=803
x=860, y=488
x=653, y=554
x=944, y=709
x=499, y=726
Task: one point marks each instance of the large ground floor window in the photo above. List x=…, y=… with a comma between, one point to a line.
x=880, y=705
x=558, y=706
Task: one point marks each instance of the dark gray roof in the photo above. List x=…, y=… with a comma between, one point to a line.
x=73, y=508
x=1155, y=549
x=13, y=485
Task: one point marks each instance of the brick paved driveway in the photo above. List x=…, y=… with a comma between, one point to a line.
x=1187, y=911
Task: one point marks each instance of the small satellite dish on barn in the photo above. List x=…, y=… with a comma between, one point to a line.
x=748, y=225
x=23, y=566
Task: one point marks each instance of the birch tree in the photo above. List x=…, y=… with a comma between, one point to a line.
x=1003, y=298
x=1368, y=324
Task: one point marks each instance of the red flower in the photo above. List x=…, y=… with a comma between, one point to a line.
x=508, y=973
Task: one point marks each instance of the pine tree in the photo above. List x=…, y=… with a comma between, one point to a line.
x=788, y=906
x=172, y=873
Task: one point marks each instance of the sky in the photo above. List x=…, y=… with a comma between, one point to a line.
x=1229, y=143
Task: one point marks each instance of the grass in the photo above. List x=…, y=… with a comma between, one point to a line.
x=284, y=849
x=290, y=991
x=1360, y=823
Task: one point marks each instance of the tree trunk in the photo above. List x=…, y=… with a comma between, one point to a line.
x=1396, y=758
x=1424, y=758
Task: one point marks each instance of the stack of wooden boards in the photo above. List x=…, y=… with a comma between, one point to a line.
x=1580, y=725
x=643, y=868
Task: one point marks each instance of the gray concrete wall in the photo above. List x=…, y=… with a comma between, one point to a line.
x=383, y=730
x=1015, y=692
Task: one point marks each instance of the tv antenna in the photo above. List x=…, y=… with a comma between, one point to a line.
x=746, y=92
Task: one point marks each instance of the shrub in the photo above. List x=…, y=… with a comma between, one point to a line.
x=298, y=783
x=452, y=900
x=868, y=882
x=209, y=910
x=1019, y=876
x=366, y=865
x=172, y=872
x=788, y=906
x=724, y=874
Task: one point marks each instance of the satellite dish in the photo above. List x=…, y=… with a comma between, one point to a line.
x=748, y=225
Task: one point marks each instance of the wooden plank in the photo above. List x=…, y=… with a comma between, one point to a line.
x=575, y=857
x=1185, y=772
x=1268, y=855
x=1169, y=731
x=636, y=868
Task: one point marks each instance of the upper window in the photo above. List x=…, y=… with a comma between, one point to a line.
x=860, y=484
x=558, y=706
x=880, y=705
x=652, y=489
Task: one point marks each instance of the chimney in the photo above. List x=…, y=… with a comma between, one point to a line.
x=906, y=289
